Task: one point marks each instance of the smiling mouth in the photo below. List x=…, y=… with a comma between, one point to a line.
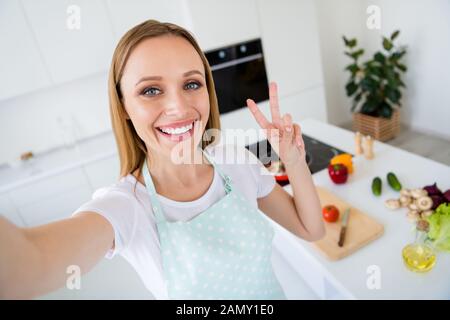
x=178, y=135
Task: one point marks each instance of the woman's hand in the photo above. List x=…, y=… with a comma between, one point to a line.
x=284, y=136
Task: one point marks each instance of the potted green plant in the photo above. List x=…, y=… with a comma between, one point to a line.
x=375, y=88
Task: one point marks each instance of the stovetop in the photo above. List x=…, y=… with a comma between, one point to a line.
x=318, y=154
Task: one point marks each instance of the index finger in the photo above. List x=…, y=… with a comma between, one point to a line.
x=259, y=116
x=274, y=106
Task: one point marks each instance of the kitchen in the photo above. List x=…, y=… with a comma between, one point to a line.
x=70, y=151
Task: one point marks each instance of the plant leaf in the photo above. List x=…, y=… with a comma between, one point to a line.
x=401, y=67
x=353, y=68
x=351, y=88
x=345, y=41
x=387, y=44
x=379, y=57
x=369, y=106
x=369, y=84
x=395, y=34
x=392, y=94
x=385, y=110
x=352, y=43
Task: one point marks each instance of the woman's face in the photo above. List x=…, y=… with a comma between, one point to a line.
x=164, y=88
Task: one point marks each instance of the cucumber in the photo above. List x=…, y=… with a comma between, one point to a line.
x=393, y=181
x=376, y=186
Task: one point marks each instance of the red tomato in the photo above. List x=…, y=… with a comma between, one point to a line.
x=330, y=213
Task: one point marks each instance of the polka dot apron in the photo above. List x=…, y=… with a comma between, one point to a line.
x=222, y=253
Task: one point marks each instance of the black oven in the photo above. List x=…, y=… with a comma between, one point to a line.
x=239, y=73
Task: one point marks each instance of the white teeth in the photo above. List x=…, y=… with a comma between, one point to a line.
x=179, y=130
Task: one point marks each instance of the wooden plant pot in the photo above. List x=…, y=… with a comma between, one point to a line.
x=381, y=129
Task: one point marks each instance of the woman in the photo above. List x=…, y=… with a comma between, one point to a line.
x=190, y=229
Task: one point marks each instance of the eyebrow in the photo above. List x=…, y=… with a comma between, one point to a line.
x=186, y=74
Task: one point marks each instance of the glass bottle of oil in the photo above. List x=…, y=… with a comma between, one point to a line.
x=420, y=255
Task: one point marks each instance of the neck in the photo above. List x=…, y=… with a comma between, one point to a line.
x=164, y=170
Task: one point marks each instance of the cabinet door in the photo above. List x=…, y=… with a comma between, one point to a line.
x=52, y=198
x=104, y=172
x=71, y=53
x=127, y=14
x=291, y=44
x=220, y=23
x=22, y=69
x=57, y=207
x=9, y=210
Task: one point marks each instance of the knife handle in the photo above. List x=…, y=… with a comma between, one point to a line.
x=342, y=237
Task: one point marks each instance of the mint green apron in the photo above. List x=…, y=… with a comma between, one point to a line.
x=222, y=253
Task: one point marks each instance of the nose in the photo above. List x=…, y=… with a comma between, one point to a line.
x=176, y=104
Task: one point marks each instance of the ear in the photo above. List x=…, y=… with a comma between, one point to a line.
x=127, y=117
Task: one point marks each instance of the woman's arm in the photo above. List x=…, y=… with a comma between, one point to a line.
x=34, y=261
x=301, y=213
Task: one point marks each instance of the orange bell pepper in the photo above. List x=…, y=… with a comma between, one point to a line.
x=345, y=159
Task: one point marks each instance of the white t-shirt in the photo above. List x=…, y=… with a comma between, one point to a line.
x=133, y=221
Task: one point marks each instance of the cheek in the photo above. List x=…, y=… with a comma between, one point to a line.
x=142, y=118
x=203, y=105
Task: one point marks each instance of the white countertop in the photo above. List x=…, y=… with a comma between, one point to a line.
x=350, y=275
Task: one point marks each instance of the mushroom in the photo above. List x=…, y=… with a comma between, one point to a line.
x=426, y=214
x=424, y=203
x=418, y=193
x=413, y=206
x=405, y=192
x=423, y=225
x=413, y=215
x=392, y=204
x=405, y=201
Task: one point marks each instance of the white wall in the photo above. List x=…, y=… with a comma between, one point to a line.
x=28, y=122
x=337, y=18
x=425, y=29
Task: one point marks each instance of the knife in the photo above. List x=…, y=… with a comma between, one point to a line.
x=344, y=227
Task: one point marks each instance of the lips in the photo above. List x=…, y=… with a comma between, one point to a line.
x=177, y=124
x=180, y=136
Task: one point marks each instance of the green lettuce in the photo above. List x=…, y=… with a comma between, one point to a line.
x=439, y=230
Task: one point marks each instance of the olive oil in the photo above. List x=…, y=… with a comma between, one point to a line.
x=419, y=257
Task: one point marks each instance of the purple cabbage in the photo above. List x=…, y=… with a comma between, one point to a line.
x=433, y=190
x=447, y=195
x=437, y=200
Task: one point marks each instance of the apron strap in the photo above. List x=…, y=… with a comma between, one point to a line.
x=228, y=180
x=157, y=209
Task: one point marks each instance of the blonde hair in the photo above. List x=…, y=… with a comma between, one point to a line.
x=131, y=148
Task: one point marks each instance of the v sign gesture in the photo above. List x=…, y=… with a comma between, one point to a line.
x=284, y=136
x=300, y=213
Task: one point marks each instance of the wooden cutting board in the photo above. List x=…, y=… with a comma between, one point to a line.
x=361, y=228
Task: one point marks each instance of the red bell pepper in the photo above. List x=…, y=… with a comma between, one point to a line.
x=338, y=173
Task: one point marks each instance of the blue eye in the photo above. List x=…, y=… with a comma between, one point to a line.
x=147, y=90
x=195, y=83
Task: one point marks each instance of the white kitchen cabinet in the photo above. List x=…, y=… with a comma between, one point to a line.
x=127, y=14
x=229, y=22
x=22, y=69
x=71, y=53
x=291, y=44
x=104, y=172
x=51, y=198
x=49, y=187
x=57, y=207
x=9, y=210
